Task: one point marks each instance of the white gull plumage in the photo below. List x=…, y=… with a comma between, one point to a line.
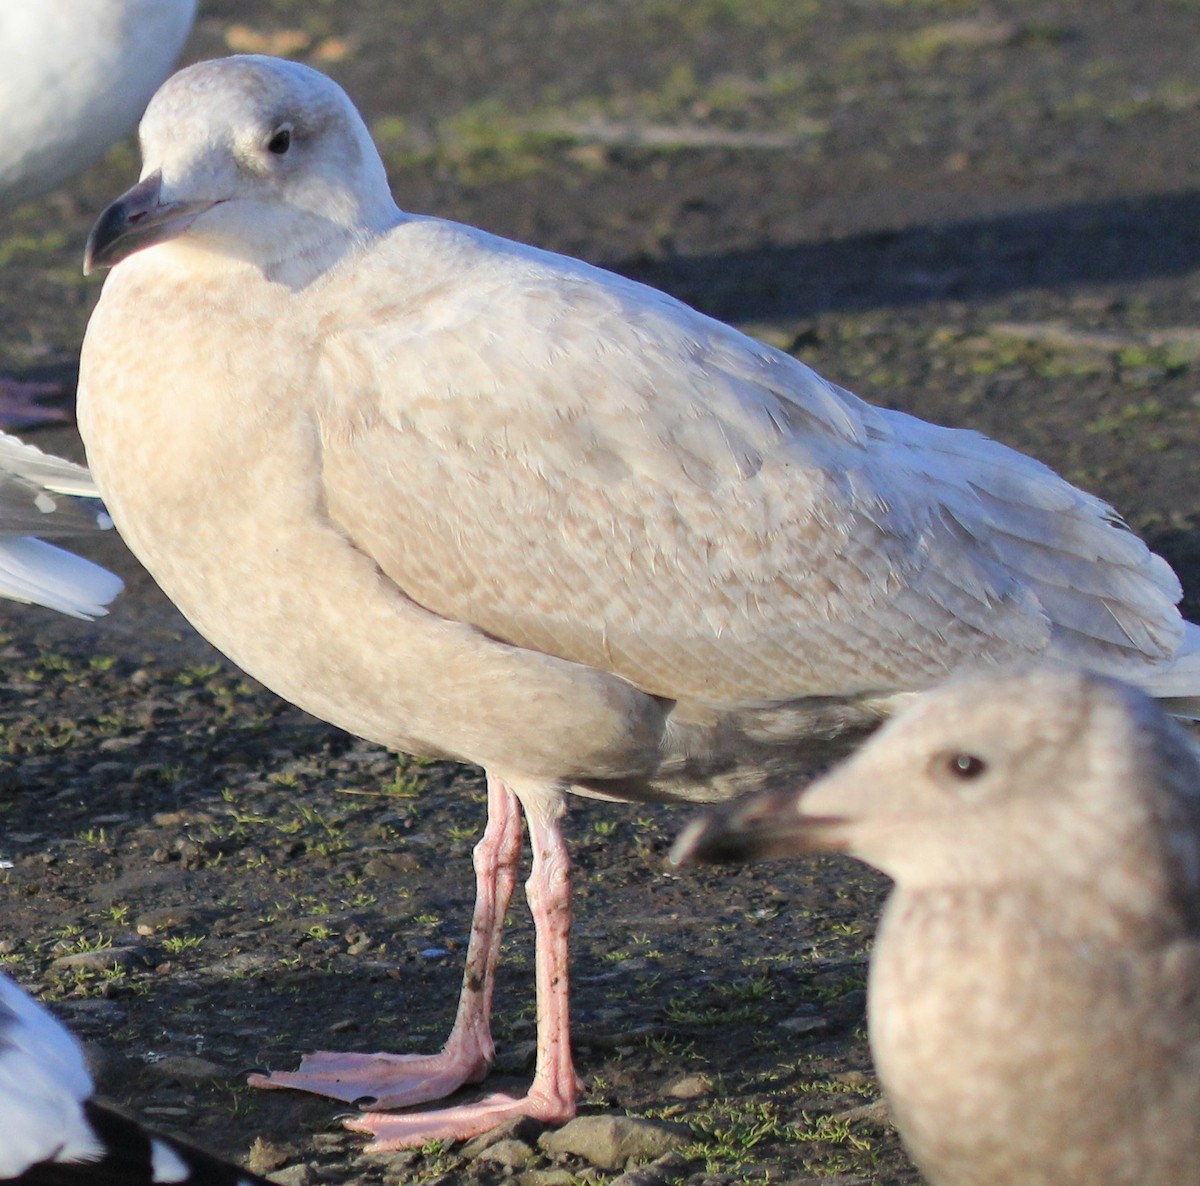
x=468, y=498
x=75, y=75
x=1034, y=995
x=53, y=1132
x=45, y=495
x=74, y=78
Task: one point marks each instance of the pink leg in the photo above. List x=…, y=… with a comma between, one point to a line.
x=552, y=1094
x=399, y=1080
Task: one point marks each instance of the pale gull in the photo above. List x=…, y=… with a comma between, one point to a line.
x=75, y=75
x=467, y=498
x=53, y=1133
x=1034, y=997
x=45, y=495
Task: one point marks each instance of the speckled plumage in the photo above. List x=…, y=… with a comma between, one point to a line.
x=1034, y=1000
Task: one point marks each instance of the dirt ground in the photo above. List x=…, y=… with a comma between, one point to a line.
x=983, y=213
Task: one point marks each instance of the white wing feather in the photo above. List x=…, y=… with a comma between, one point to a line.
x=44, y=1082
x=50, y=496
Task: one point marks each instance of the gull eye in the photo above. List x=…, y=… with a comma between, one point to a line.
x=965, y=767
x=281, y=140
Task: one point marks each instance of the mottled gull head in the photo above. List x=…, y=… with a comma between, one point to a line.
x=254, y=158
x=1031, y=775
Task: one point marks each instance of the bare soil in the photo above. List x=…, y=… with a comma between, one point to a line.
x=987, y=215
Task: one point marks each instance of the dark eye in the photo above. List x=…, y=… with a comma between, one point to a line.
x=965, y=766
x=281, y=140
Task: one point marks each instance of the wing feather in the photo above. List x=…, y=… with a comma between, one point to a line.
x=580, y=465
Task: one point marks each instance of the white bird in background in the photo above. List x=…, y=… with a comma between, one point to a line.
x=45, y=495
x=75, y=76
x=55, y=1134
x=1034, y=998
x=467, y=498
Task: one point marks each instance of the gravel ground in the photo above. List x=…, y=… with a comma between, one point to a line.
x=983, y=214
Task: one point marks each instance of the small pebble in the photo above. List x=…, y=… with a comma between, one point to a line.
x=102, y=960
x=668, y=1168
x=189, y=1068
x=810, y=1024
x=510, y=1154
x=690, y=1087
x=524, y=1129
x=293, y=1175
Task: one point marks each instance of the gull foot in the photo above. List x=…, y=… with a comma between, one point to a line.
x=456, y=1124
x=379, y=1080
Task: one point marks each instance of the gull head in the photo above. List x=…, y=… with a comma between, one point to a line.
x=1026, y=776
x=254, y=158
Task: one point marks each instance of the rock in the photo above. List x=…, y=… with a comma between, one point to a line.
x=174, y=819
x=108, y=1062
x=516, y=1058
x=387, y=865
x=395, y=1165
x=326, y=1142
x=116, y=745
x=524, y=1129
x=190, y=853
x=808, y=1023
x=189, y=1068
x=612, y=1142
x=836, y=1180
x=667, y=1168
x=635, y=963
x=876, y=1111
x=242, y=964
x=101, y=960
x=166, y=917
x=294, y=1175
x=850, y=1008
x=153, y=712
x=108, y=770
x=79, y=1011
x=509, y=1153
x=853, y=1079
x=549, y=1178
x=690, y=1087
